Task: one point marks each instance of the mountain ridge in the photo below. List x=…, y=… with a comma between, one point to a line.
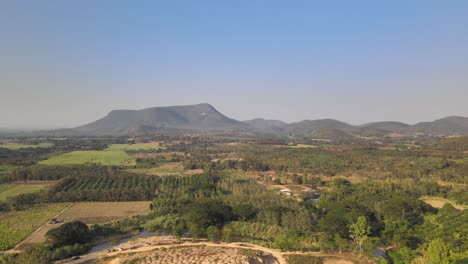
x=204, y=118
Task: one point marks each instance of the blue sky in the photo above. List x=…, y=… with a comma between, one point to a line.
x=66, y=63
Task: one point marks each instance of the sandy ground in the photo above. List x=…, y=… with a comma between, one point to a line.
x=167, y=250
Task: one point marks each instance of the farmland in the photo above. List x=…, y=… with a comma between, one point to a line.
x=114, y=155
x=10, y=190
x=103, y=212
x=165, y=169
x=15, y=226
x=91, y=213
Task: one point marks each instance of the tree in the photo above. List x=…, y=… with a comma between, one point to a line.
x=438, y=252
x=360, y=231
x=69, y=234
x=213, y=234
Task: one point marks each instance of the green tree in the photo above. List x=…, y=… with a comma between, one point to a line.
x=360, y=232
x=438, y=252
x=69, y=234
x=213, y=234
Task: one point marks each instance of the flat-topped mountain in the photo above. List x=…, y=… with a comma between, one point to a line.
x=204, y=117
x=200, y=117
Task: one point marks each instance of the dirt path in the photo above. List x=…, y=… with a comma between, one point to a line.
x=439, y=202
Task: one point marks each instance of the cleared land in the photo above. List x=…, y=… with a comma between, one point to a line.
x=11, y=190
x=439, y=202
x=166, y=249
x=114, y=155
x=14, y=146
x=15, y=226
x=188, y=254
x=91, y=213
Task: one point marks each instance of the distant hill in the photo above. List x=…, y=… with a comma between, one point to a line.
x=331, y=134
x=267, y=126
x=391, y=126
x=201, y=117
x=452, y=125
x=308, y=126
x=204, y=117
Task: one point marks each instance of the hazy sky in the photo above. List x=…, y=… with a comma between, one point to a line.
x=65, y=63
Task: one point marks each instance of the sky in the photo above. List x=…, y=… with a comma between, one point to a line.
x=67, y=63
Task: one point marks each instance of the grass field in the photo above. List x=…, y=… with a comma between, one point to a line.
x=14, y=146
x=10, y=190
x=145, y=146
x=91, y=213
x=113, y=155
x=15, y=226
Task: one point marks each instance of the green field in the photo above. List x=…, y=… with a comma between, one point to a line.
x=145, y=146
x=113, y=155
x=15, y=226
x=11, y=190
x=14, y=146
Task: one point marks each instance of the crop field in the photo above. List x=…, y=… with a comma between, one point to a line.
x=145, y=146
x=165, y=169
x=15, y=226
x=103, y=212
x=91, y=213
x=114, y=155
x=14, y=146
x=11, y=190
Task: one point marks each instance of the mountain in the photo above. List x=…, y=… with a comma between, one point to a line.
x=331, y=134
x=204, y=117
x=452, y=125
x=391, y=126
x=201, y=117
x=307, y=126
x=267, y=126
